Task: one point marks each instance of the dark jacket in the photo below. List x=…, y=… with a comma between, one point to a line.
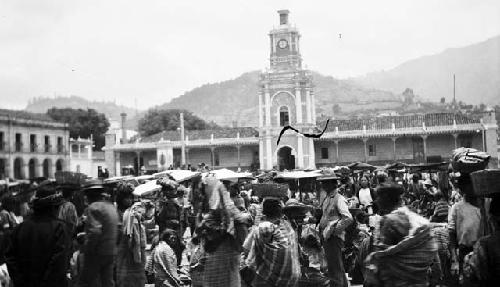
x=101, y=227
x=39, y=253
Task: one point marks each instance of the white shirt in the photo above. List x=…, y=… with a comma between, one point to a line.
x=365, y=198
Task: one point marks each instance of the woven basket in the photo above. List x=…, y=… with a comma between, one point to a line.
x=468, y=167
x=486, y=182
x=270, y=189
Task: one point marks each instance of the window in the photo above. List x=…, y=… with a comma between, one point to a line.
x=2, y=144
x=372, y=150
x=324, y=153
x=284, y=117
x=33, y=144
x=47, y=143
x=19, y=142
x=59, y=144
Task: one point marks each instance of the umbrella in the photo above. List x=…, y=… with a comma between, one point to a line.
x=361, y=166
x=226, y=174
x=177, y=174
x=147, y=188
x=297, y=174
x=118, y=178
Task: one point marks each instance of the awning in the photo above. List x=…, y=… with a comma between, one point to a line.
x=147, y=188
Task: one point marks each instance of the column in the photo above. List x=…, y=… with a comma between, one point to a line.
x=89, y=151
x=394, y=148
x=366, y=152
x=300, y=152
x=313, y=107
x=424, y=139
x=238, y=148
x=25, y=169
x=138, y=155
x=260, y=111
x=9, y=168
x=261, y=153
x=212, y=157
x=268, y=106
x=269, y=153
x=308, y=106
x=79, y=150
x=312, y=157
x=187, y=156
x=337, y=154
x=455, y=137
x=298, y=103
x=70, y=150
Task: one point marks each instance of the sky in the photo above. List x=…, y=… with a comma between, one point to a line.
x=146, y=52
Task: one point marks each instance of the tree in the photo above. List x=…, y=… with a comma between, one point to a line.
x=158, y=120
x=83, y=123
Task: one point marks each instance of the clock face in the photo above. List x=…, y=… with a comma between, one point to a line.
x=282, y=43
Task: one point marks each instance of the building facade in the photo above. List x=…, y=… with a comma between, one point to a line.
x=31, y=145
x=286, y=97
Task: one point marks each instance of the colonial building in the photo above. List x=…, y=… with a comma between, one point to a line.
x=31, y=145
x=84, y=160
x=286, y=97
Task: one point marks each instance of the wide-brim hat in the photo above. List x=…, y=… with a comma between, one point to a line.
x=47, y=196
x=328, y=177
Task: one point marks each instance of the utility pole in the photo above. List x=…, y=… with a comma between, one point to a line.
x=454, y=97
x=183, y=143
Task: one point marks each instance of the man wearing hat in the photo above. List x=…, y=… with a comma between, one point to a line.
x=40, y=246
x=335, y=219
x=101, y=225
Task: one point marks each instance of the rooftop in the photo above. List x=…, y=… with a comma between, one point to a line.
x=18, y=114
x=400, y=122
x=202, y=134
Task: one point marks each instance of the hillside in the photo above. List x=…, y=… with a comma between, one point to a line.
x=477, y=70
x=235, y=101
x=110, y=109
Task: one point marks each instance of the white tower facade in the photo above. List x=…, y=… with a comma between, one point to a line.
x=286, y=98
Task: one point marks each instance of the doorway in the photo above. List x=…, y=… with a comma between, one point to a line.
x=286, y=160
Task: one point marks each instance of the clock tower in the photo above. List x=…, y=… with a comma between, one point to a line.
x=286, y=98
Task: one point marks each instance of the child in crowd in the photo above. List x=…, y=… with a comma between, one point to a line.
x=76, y=262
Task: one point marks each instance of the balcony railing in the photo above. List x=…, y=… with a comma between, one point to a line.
x=47, y=148
x=33, y=147
x=60, y=148
x=2, y=145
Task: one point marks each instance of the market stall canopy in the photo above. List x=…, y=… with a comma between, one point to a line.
x=396, y=166
x=227, y=174
x=361, y=166
x=177, y=174
x=297, y=174
x=147, y=188
x=118, y=178
x=428, y=167
x=145, y=177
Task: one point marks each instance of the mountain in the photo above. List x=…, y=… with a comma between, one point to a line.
x=476, y=68
x=110, y=109
x=235, y=101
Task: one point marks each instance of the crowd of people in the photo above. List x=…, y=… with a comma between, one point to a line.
x=363, y=228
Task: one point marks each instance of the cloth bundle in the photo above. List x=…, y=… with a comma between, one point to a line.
x=467, y=160
x=408, y=261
